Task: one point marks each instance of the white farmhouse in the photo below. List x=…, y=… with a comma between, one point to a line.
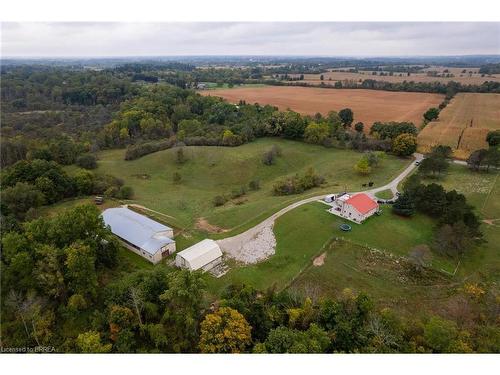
x=148, y=238
x=356, y=208
x=204, y=255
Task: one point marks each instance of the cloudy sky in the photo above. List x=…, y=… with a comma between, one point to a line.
x=279, y=38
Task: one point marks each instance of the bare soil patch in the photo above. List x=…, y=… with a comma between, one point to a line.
x=204, y=225
x=320, y=260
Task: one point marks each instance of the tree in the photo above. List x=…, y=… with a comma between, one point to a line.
x=316, y=133
x=404, y=205
x=183, y=303
x=433, y=165
x=493, y=138
x=90, y=342
x=404, y=144
x=420, y=256
x=49, y=271
x=346, y=116
x=286, y=340
x=439, y=334
x=363, y=166
x=225, y=331
x=229, y=139
x=20, y=198
x=359, y=126
x=179, y=156
x=453, y=240
x=476, y=159
x=293, y=125
x=80, y=270
x=442, y=151
x=492, y=158
x=431, y=114
x=87, y=161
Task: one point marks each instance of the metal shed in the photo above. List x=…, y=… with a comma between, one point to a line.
x=204, y=255
x=144, y=236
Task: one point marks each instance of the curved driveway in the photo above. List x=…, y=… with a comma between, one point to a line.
x=258, y=242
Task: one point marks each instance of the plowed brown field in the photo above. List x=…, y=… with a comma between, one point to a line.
x=368, y=105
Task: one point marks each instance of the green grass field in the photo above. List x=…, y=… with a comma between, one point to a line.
x=388, y=280
x=300, y=236
x=212, y=171
x=351, y=264
x=384, y=194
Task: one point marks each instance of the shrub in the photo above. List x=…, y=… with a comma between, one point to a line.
x=136, y=151
x=219, y=200
x=87, y=161
x=298, y=184
x=269, y=157
x=176, y=177
x=236, y=193
x=254, y=185
x=363, y=166
x=125, y=192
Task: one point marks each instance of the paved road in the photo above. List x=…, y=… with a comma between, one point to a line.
x=258, y=242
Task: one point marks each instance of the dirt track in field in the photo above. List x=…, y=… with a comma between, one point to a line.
x=368, y=105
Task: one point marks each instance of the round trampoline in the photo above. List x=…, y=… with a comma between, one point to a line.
x=345, y=227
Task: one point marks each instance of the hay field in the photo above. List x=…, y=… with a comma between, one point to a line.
x=368, y=105
x=334, y=75
x=463, y=124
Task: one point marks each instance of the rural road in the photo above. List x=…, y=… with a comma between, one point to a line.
x=258, y=242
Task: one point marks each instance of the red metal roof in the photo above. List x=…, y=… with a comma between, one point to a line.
x=362, y=203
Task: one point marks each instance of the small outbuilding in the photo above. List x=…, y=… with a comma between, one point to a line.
x=204, y=255
x=144, y=236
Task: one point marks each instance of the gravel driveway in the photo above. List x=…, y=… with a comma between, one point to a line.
x=259, y=243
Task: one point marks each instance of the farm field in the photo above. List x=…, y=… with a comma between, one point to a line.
x=463, y=124
x=368, y=105
x=205, y=175
x=329, y=78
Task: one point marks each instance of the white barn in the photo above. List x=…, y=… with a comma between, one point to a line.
x=356, y=208
x=204, y=255
x=148, y=238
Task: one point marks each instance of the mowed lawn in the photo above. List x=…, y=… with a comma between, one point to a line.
x=303, y=233
x=212, y=171
x=463, y=124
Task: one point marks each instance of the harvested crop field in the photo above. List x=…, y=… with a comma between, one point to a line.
x=470, y=77
x=368, y=105
x=463, y=124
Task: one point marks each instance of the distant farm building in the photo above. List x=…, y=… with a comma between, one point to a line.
x=356, y=208
x=204, y=255
x=148, y=238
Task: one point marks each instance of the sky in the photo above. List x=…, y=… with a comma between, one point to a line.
x=80, y=39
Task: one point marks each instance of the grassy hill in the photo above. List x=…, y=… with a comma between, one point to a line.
x=212, y=171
